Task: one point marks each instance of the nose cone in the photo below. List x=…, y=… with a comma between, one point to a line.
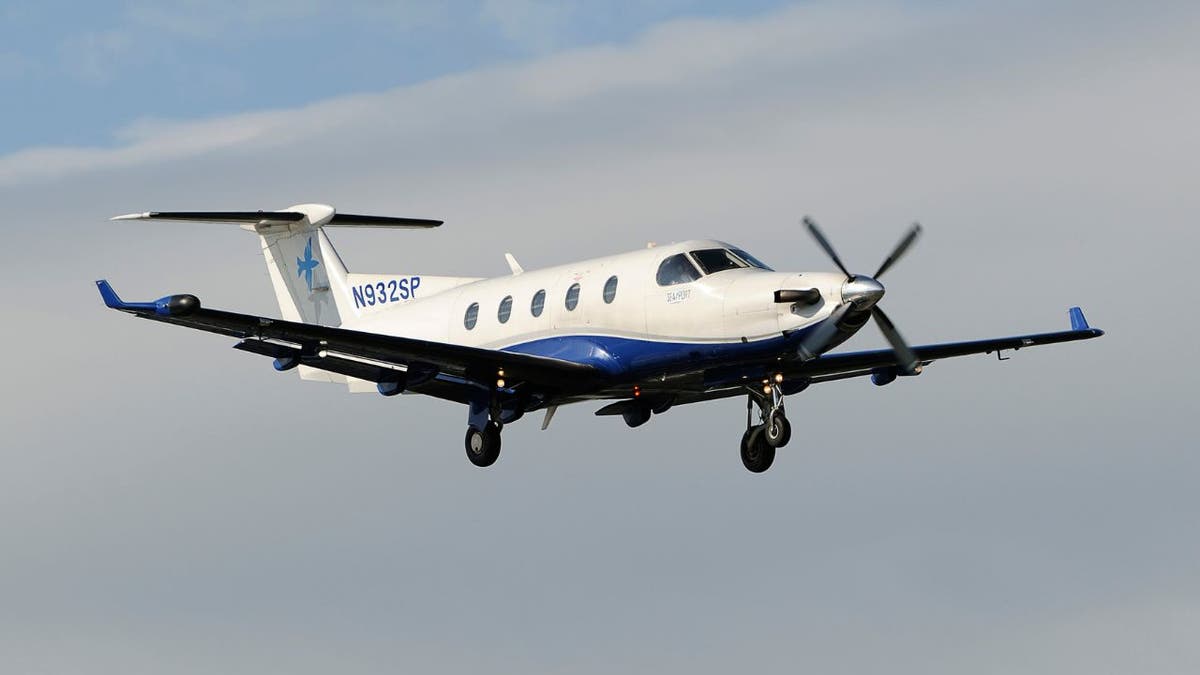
x=862, y=292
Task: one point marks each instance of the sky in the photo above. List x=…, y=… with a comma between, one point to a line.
x=168, y=504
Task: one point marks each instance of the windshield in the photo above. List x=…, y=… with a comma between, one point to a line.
x=713, y=260
x=751, y=260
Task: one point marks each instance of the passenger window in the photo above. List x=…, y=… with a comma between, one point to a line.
x=505, y=309
x=676, y=270
x=713, y=260
x=538, y=304
x=572, y=297
x=472, y=316
x=610, y=290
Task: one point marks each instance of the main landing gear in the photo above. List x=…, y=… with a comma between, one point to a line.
x=773, y=431
x=485, y=418
x=483, y=445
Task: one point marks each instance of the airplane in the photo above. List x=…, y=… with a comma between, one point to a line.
x=644, y=331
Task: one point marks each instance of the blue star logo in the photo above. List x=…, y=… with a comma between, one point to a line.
x=305, y=266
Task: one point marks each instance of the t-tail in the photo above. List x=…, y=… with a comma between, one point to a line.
x=310, y=280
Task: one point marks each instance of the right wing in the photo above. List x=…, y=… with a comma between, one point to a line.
x=455, y=372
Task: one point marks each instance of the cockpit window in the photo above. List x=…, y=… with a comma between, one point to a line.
x=751, y=260
x=676, y=270
x=713, y=260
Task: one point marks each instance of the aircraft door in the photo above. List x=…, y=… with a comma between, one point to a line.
x=681, y=303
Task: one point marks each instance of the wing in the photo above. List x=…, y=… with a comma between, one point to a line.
x=453, y=372
x=733, y=379
x=862, y=363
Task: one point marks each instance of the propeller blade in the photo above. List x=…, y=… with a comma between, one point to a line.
x=909, y=239
x=906, y=358
x=820, y=237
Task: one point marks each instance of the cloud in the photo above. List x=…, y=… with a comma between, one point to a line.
x=663, y=57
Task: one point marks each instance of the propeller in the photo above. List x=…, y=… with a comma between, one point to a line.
x=863, y=293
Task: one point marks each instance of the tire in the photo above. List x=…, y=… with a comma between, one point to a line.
x=777, y=431
x=483, y=445
x=757, y=455
x=636, y=417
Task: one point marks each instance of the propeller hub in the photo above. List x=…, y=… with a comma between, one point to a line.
x=862, y=291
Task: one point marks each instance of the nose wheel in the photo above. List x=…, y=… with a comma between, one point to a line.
x=777, y=431
x=757, y=454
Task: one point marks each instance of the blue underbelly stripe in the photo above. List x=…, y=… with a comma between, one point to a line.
x=620, y=356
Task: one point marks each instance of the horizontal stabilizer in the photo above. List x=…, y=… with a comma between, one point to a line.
x=252, y=217
x=217, y=216
x=352, y=220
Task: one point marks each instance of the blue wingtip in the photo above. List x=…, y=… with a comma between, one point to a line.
x=1078, y=321
x=111, y=299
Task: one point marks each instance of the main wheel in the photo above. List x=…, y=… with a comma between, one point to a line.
x=778, y=431
x=483, y=445
x=636, y=416
x=757, y=455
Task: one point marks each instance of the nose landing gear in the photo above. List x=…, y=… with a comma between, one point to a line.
x=773, y=431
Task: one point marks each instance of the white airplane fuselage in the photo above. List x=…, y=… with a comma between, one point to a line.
x=641, y=326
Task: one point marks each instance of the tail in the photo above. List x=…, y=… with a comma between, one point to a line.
x=308, y=276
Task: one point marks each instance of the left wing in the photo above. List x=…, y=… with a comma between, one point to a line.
x=445, y=370
x=881, y=364
x=862, y=363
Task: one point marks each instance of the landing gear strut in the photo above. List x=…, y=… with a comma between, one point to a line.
x=773, y=431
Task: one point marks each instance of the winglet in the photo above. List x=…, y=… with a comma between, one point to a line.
x=111, y=299
x=1078, y=321
x=171, y=305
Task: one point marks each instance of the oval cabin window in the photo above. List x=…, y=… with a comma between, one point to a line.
x=538, y=304
x=610, y=290
x=472, y=316
x=572, y=297
x=505, y=309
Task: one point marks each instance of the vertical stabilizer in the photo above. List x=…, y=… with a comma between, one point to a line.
x=299, y=265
